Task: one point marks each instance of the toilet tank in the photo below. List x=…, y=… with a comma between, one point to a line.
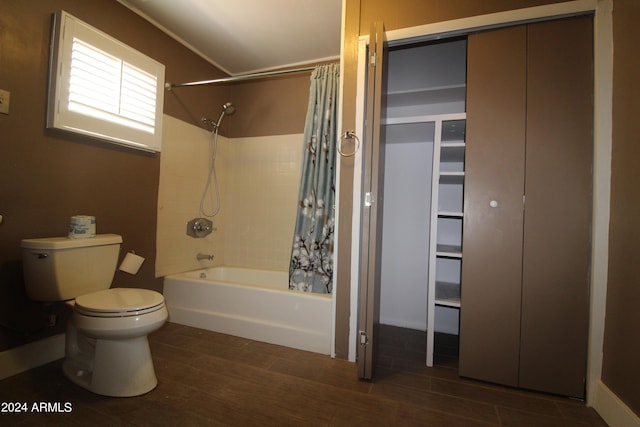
x=60, y=268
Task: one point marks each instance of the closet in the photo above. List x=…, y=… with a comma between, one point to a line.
x=525, y=275
x=423, y=125
x=478, y=152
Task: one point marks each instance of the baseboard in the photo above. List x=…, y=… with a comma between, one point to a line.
x=31, y=355
x=613, y=410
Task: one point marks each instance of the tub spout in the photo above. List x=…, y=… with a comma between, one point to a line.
x=206, y=257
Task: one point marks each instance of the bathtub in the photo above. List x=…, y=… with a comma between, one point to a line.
x=250, y=303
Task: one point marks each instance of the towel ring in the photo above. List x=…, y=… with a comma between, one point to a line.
x=349, y=135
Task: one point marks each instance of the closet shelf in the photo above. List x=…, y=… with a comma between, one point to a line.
x=447, y=303
x=451, y=177
x=450, y=214
x=423, y=118
x=436, y=95
x=447, y=294
x=448, y=251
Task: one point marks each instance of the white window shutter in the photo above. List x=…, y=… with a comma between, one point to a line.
x=103, y=88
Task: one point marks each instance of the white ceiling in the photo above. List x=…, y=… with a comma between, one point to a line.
x=247, y=36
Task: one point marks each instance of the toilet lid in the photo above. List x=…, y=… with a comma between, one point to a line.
x=119, y=302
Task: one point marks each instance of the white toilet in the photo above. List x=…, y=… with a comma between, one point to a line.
x=107, y=351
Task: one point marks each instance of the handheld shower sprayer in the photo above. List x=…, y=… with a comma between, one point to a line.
x=228, y=109
x=211, y=187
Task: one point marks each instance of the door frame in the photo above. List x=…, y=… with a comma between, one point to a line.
x=603, y=94
x=373, y=149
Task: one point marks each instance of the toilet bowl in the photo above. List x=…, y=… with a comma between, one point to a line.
x=106, y=350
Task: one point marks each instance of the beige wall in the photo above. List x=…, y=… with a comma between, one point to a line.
x=258, y=180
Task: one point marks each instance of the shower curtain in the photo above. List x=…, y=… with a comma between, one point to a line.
x=311, y=267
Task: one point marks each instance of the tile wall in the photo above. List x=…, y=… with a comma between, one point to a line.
x=259, y=180
x=262, y=181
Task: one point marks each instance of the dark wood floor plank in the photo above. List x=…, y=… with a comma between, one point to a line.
x=412, y=415
x=512, y=399
x=437, y=402
x=211, y=379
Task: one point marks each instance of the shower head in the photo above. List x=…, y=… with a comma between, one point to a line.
x=228, y=109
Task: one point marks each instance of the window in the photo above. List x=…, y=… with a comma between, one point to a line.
x=102, y=88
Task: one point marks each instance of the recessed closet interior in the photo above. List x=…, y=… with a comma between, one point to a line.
x=423, y=125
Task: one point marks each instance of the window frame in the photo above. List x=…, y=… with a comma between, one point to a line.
x=65, y=29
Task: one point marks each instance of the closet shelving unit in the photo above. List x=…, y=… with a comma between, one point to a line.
x=445, y=252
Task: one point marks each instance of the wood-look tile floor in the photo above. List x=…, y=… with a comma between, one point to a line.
x=211, y=379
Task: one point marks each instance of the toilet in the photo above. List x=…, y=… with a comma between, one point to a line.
x=106, y=351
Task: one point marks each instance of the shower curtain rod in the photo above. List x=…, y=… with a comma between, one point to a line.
x=170, y=86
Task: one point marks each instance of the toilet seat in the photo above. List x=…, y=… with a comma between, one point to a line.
x=119, y=302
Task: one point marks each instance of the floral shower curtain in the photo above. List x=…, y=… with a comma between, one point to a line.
x=311, y=267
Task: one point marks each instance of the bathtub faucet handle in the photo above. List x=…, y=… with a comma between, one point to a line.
x=199, y=227
x=204, y=257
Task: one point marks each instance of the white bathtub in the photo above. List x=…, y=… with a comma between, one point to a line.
x=249, y=303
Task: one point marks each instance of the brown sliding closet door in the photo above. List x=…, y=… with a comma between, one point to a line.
x=525, y=272
x=494, y=175
x=555, y=287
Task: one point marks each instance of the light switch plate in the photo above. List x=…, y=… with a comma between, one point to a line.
x=5, y=97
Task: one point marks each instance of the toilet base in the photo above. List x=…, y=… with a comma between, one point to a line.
x=117, y=368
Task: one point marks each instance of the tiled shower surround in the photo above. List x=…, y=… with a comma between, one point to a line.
x=259, y=180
